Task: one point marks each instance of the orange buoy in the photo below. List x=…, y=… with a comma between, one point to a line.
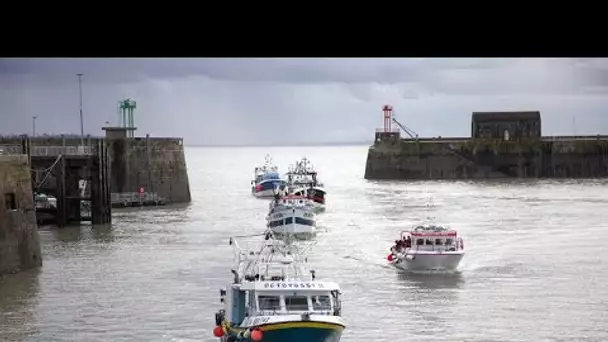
x=256, y=335
x=218, y=331
x=390, y=257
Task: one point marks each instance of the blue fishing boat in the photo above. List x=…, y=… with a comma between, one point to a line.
x=274, y=297
x=266, y=179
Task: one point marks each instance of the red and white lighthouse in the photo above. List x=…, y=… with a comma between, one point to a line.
x=387, y=110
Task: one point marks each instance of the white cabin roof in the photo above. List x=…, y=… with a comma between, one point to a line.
x=290, y=285
x=430, y=230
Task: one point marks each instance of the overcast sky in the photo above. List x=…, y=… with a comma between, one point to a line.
x=287, y=101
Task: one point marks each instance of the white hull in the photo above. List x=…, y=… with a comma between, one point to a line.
x=297, y=231
x=429, y=261
x=254, y=321
x=298, y=222
x=318, y=207
x=268, y=193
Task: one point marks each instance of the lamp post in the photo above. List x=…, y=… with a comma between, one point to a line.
x=81, y=123
x=34, y=125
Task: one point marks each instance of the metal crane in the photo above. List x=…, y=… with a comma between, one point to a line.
x=408, y=131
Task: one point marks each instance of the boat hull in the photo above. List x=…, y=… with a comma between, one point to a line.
x=299, y=332
x=318, y=207
x=298, y=232
x=422, y=262
x=267, y=193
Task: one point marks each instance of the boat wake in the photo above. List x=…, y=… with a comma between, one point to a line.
x=372, y=260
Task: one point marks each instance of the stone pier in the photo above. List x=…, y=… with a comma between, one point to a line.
x=19, y=240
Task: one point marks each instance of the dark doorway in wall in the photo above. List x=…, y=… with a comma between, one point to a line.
x=11, y=202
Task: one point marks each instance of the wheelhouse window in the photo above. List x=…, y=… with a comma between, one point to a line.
x=276, y=223
x=321, y=303
x=429, y=242
x=303, y=221
x=296, y=303
x=419, y=242
x=438, y=242
x=250, y=301
x=449, y=242
x=269, y=303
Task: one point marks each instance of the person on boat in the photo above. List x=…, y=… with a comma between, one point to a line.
x=398, y=245
x=393, y=249
x=408, y=242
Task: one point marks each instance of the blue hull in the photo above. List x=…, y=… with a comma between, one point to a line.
x=302, y=335
x=299, y=334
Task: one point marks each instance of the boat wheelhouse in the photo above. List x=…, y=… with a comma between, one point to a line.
x=427, y=248
x=293, y=215
x=274, y=296
x=302, y=181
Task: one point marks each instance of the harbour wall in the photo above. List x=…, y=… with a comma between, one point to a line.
x=19, y=240
x=155, y=164
x=469, y=158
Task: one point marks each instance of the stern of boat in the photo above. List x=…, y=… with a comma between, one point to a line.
x=441, y=262
x=302, y=332
x=297, y=330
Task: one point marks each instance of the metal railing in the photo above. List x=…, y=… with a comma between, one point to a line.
x=392, y=130
x=575, y=137
x=10, y=149
x=51, y=151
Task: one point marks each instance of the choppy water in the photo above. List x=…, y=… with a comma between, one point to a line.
x=536, y=268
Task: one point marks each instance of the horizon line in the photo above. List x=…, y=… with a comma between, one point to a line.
x=351, y=143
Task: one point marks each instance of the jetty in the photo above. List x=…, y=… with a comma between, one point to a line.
x=501, y=145
x=79, y=178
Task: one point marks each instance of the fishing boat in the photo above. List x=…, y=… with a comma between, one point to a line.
x=292, y=214
x=302, y=181
x=275, y=297
x=266, y=179
x=427, y=248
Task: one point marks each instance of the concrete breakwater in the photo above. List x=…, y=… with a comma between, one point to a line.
x=156, y=165
x=153, y=167
x=88, y=176
x=464, y=158
x=19, y=240
x=502, y=145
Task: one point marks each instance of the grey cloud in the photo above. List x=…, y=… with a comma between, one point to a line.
x=296, y=70
x=281, y=101
x=447, y=76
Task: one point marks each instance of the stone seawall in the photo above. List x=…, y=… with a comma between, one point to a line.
x=461, y=158
x=158, y=165
x=19, y=240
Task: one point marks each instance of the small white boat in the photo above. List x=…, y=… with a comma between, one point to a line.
x=291, y=214
x=266, y=179
x=275, y=297
x=302, y=181
x=427, y=248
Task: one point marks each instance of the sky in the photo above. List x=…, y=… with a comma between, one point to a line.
x=263, y=101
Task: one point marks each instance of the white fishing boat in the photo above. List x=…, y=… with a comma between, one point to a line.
x=292, y=214
x=275, y=297
x=427, y=248
x=266, y=179
x=302, y=181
